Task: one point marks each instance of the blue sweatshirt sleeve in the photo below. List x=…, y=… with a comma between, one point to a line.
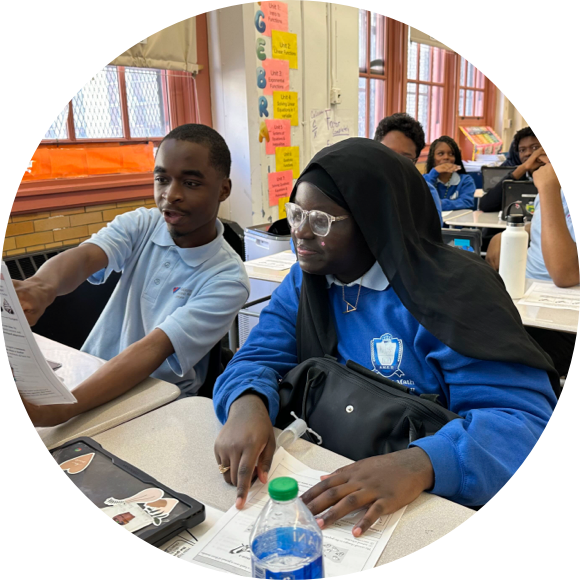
x=464, y=199
x=436, y=199
x=504, y=409
x=268, y=353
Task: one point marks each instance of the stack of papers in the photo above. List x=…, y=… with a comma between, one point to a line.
x=549, y=295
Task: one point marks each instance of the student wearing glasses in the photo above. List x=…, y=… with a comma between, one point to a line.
x=405, y=136
x=370, y=267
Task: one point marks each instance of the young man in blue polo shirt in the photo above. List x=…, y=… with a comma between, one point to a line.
x=181, y=284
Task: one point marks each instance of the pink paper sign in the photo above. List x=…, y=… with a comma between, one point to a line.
x=279, y=185
x=279, y=132
x=277, y=75
x=275, y=16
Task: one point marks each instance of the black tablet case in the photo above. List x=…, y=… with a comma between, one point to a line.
x=108, y=476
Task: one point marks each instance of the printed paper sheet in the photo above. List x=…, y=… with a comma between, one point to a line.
x=550, y=296
x=34, y=378
x=226, y=545
x=280, y=261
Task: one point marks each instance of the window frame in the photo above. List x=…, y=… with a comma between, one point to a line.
x=174, y=89
x=461, y=62
x=368, y=75
x=444, y=85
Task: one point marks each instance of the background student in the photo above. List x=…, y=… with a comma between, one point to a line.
x=386, y=261
x=181, y=284
x=552, y=255
x=445, y=171
x=405, y=136
x=529, y=151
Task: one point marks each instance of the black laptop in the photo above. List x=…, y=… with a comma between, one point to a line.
x=492, y=175
x=523, y=191
x=467, y=239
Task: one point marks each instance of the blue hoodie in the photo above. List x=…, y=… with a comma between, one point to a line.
x=457, y=194
x=505, y=407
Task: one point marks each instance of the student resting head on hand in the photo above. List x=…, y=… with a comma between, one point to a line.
x=181, y=284
x=446, y=173
x=371, y=267
x=405, y=136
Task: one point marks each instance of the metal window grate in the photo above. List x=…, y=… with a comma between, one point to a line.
x=145, y=103
x=25, y=266
x=59, y=129
x=97, y=107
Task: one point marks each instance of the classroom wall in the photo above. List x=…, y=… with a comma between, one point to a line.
x=327, y=40
x=35, y=232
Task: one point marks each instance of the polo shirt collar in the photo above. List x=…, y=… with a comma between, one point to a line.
x=191, y=256
x=374, y=279
x=453, y=180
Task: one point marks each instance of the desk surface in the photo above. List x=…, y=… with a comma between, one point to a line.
x=477, y=219
x=174, y=444
x=549, y=318
x=77, y=366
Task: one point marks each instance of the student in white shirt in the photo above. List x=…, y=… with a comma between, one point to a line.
x=552, y=255
x=181, y=284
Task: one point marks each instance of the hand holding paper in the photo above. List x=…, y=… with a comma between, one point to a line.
x=35, y=380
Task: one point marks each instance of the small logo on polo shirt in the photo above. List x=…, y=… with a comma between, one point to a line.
x=180, y=292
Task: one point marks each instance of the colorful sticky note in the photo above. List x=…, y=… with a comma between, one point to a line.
x=279, y=185
x=282, y=201
x=288, y=158
x=286, y=106
x=275, y=16
x=285, y=47
x=277, y=75
x=279, y=135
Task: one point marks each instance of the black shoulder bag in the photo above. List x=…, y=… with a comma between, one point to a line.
x=356, y=412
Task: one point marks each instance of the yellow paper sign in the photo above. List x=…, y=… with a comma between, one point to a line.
x=286, y=106
x=285, y=47
x=282, y=201
x=288, y=158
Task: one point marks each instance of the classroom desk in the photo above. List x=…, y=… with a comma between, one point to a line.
x=76, y=366
x=548, y=318
x=478, y=219
x=174, y=444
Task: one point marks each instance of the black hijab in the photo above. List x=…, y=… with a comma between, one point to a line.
x=455, y=295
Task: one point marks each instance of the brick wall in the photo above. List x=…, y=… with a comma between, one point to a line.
x=34, y=232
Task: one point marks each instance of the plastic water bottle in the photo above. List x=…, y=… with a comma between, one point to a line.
x=286, y=541
x=513, y=256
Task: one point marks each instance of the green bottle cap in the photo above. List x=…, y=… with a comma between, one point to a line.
x=283, y=489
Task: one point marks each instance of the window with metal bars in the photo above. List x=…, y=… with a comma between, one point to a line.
x=117, y=104
x=471, y=91
x=426, y=87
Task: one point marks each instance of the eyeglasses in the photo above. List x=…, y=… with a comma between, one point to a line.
x=319, y=221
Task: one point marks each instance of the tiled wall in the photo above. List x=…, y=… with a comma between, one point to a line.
x=27, y=233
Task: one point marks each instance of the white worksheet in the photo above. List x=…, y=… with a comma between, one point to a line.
x=281, y=261
x=34, y=378
x=226, y=546
x=549, y=295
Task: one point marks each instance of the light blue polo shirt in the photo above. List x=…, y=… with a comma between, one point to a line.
x=536, y=267
x=192, y=294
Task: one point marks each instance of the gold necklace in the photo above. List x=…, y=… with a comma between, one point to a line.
x=349, y=307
